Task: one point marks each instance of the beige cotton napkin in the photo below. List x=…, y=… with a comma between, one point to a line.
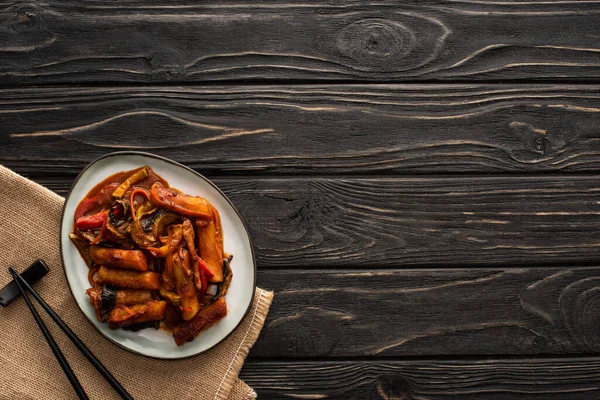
x=29, y=229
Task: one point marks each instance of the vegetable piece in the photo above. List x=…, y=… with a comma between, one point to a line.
x=133, y=179
x=117, y=258
x=119, y=209
x=184, y=284
x=168, y=280
x=203, y=282
x=191, y=206
x=115, y=234
x=146, y=208
x=102, y=220
x=116, y=228
x=134, y=192
x=210, y=244
x=108, y=297
x=145, y=232
x=93, y=221
x=173, y=298
x=157, y=222
x=151, y=228
x=99, y=237
x=203, y=276
x=223, y=287
x=202, y=267
x=122, y=316
x=87, y=236
x=102, y=198
x=128, y=279
x=206, y=317
x=188, y=235
x=175, y=236
x=138, y=234
x=103, y=300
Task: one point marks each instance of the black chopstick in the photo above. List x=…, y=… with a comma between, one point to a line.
x=55, y=349
x=71, y=335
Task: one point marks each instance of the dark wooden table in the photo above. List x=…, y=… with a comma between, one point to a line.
x=419, y=178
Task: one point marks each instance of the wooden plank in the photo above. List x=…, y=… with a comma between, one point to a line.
x=431, y=312
x=521, y=379
x=437, y=221
x=316, y=129
x=159, y=41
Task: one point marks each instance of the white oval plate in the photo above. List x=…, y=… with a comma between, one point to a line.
x=152, y=342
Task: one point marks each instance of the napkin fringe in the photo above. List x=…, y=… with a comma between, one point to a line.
x=263, y=304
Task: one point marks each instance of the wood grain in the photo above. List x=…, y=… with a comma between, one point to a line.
x=427, y=221
x=158, y=41
x=431, y=312
x=336, y=182
x=522, y=379
x=315, y=129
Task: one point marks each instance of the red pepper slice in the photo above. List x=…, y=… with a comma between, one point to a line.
x=202, y=291
x=205, y=275
x=85, y=207
x=202, y=266
x=117, y=210
x=103, y=197
x=93, y=221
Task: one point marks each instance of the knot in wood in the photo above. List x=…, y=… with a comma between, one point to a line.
x=299, y=340
x=25, y=18
x=22, y=29
x=580, y=312
x=376, y=42
x=540, y=144
x=393, y=387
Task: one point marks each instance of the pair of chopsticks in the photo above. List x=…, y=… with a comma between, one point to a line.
x=23, y=287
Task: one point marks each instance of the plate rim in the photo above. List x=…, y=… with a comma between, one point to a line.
x=199, y=175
